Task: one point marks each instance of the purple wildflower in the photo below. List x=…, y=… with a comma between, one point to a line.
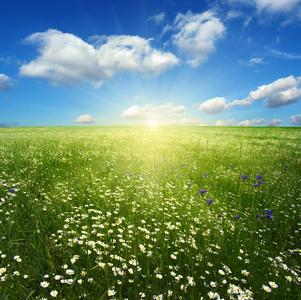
x=286, y=166
x=268, y=211
x=231, y=166
x=236, y=217
x=11, y=190
x=209, y=201
x=268, y=216
x=260, y=182
x=189, y=184
x=244, y=177
x=203, y=192
x=206, y=175
x=256, y=185
x=182, y=165
x=258, y=176
x=258, y=216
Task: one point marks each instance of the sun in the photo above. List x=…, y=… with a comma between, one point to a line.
x=152, y=123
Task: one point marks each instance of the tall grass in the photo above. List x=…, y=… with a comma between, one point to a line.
x=150, y=213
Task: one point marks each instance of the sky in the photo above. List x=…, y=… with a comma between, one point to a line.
x=150, y=62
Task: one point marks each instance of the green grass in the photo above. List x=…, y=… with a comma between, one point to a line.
x=116, y=213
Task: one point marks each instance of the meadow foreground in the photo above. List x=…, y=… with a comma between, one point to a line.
x=150, y=213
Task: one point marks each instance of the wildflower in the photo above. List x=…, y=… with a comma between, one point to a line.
x=221, y=272
x=289, y=278
x=12, y=190
x=266, y=288
x=44, y=284
x=209, y=201
x=69, y=272
x=17, y=273
x=244, y=177
x=258, y=176
x=268, y=216
x=53, y=293
x=159, y=276
x=245, y=272
x=203, y=191
x=273, y=285
x=211, y=295
x=236, y=217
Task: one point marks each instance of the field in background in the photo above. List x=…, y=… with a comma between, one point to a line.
x=150, y=213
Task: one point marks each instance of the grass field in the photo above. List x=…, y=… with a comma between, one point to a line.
x=150, y=213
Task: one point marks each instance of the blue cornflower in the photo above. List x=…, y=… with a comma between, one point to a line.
x=203, y=192
x=244, y=177
x=268, y=216
x=231, y=166
x=11, y=190
x=182, y=165
x=209, y=201
x=206, y=175
x=260, y=182
x=256, y=185
x=268, y=211
x=236, y=217
x=189, y=184
x=258, y=176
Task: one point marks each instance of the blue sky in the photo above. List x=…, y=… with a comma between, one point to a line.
x=142, y=62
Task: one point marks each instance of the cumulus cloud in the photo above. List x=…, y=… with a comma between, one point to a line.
x=251, y=123
x=84, y=119
x=296, y=120
x=281, y=92
x=274, y=123
x=5, y=83
x=197, y=36
x=65, y=59
x=149, y=111
x=214, y=106
x=184, y=122
x=229, y=122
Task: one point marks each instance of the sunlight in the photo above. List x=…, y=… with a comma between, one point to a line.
x=152, y=123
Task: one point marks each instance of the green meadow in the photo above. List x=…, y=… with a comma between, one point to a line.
x=150, y=213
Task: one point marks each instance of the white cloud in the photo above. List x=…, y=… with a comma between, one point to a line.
x=5, y=82
x=137, y=112
x=296, y=120
x=214, y=106
x=274, y=123
x=197, y=36
x=275, y=6
x=256, y=60
x=67, y=60
x=158, y=18
x=84, y=119
x=281, y=92
x=178, y=111
x=183, y=122
x=229, y=122
x=150, y=112
x=251, y=123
